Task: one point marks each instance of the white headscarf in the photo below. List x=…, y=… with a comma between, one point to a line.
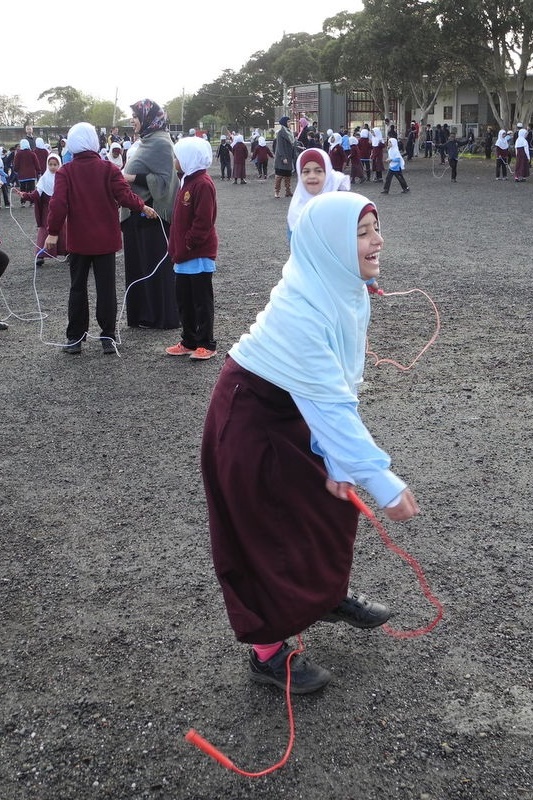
x=82, y=137
x=117, y=160
x=335, y=181
x=24, y=144
x=47, y=181
x=335, y=139
x=365, y=133
x=238, y=138
x=261, y=141
x=40, y=143
x=394, y=151
x=377, y=137
x=193, y=154
x=311, y=338
x=501, y=141
x=521, y=141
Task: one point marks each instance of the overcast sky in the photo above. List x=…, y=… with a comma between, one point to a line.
x=139, y=51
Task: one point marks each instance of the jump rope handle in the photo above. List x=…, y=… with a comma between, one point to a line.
x=193, y=737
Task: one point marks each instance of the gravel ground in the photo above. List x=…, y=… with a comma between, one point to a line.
x=114, y=639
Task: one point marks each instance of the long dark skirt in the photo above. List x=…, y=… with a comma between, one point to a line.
x=282, y=545
x=151, y=302
x=522, y=164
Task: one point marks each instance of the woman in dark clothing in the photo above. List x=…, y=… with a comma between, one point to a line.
x=150, y=298
x=283, y=157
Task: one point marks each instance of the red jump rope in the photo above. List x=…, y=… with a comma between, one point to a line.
x=193, y=737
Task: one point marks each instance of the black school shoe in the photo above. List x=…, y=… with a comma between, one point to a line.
x=108, y=346
x=73, y=346
x=359, y=612
x=305, y=676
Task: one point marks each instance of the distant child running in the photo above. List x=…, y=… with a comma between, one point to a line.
x=193, y=249
x=396, y=166
x=89, y=192
x=283, y=443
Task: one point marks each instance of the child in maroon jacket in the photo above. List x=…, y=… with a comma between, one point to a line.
x=193, y=248
x=40, y=199
x=261, y=155
x=27, y=167
x=89, y=192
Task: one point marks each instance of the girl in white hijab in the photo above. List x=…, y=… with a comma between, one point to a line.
x=323, y=178
x=40, y=199
x=522, y=156
x=115, y=155
x=502, y=156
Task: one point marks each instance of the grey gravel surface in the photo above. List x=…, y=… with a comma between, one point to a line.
x=114, y=639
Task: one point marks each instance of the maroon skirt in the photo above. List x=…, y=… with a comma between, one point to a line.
x=282, y=545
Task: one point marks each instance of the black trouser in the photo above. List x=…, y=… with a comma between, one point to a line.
x=428, y=150
x=196, y=305
x=5, y=194
x=106, y=295
x=225, y=167
x=453, y=164
x=501, y=165
x=388, y=180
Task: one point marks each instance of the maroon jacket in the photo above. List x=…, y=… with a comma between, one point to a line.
x=192, y=231
x=42, y=158
x=26, y=165
x=338, y=157
x=87, y=193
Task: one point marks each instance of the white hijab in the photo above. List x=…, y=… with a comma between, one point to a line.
x=335, y=181
x=117, y=160
x=377, y=138
x=193, y=154
x=82, y=137
x=521, y=141
x=311, y=338
x=394, y=152
x=47, y=181
x=24, y=144
x=501, y=141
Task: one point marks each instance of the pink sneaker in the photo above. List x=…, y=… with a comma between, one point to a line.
x=179, y=350
x=202, y=354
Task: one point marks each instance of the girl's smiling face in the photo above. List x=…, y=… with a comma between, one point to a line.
x=369, y=245
x=313, y=177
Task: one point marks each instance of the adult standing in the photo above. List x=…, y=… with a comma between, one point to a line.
x=151, y=298
x=284, y=150
x=488, y=143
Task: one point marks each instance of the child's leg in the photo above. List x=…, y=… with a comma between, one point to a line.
x=184, y=297
x=388, y=181
x=266, y=651
x=78, y=301
x=203, y=309
x=401, y=180
x=106, y=293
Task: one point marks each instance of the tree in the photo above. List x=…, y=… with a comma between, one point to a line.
x=69, y=105
x=11, y=110
x=101, y=114
x=493, y=41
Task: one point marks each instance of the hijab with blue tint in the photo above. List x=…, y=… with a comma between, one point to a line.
x=82, y=138
x=193, y=154
x=311, y=338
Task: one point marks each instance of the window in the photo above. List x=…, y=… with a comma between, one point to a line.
x=469, y=113
x=448, y=112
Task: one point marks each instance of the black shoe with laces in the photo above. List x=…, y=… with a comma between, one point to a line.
x=3, y=326
x=359, y=612
x=108, y=346
x=306, y=677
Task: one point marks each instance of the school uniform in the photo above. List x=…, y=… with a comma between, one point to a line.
x=89, y=192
